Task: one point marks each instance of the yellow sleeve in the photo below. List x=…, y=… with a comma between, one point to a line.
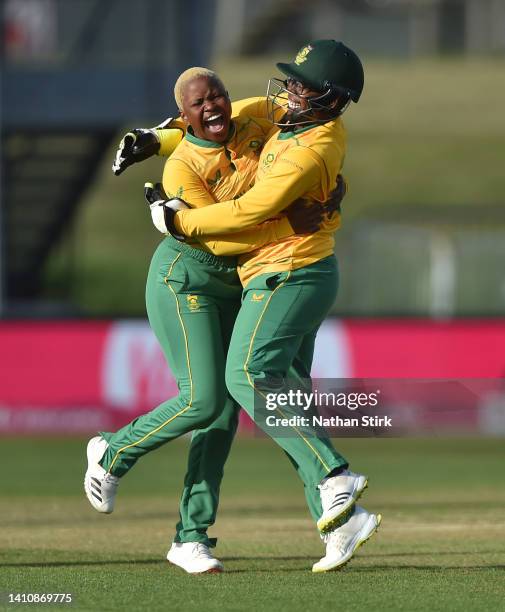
x=252, y=107
x=180, y=181
x=255, y=107
x=170, y=137
x=295, y=173
x=249, y=240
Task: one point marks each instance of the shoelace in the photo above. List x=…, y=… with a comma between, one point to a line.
x=330, y=483
x=202, y=551
x=337, y=539
x=111, y=480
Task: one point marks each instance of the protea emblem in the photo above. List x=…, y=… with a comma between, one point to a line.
x=302, y=55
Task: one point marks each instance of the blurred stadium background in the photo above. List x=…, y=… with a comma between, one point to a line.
x=422, y=257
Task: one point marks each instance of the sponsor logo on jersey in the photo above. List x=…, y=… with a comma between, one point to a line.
x=268, y=160
x=302, y=55
x=257, y=297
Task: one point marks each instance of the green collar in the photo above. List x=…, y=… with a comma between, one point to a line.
x=296, y=132
x=209, y=144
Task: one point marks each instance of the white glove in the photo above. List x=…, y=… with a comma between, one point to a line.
x=163, y=212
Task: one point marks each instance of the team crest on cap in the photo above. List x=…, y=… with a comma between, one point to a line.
x=302, y=55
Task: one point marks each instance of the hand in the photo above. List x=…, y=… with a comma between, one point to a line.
x=137, y=145
x=154, y=193
x=305, y=217
x=336, y=196
x=163, y=210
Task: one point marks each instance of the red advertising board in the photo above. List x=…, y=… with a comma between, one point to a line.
x=84, y=376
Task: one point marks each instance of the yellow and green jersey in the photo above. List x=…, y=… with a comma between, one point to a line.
x=304, y=163
x=202, y=172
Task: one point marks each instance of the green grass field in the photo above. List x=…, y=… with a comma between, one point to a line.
x=441, y=545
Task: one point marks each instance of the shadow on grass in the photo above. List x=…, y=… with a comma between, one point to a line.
x=376, y=555
x=373, y=567
x=84, y=563
x=427, y=568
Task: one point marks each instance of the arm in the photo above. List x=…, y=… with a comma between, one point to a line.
x=295, y=174
x=301, y=217
x=142, y=143
x=249, y=240
x=256, y=107
x=252, y=107
x=180, y=181
x=169, y=137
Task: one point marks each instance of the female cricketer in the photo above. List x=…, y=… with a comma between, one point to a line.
x=192, y=299
x=290, y=285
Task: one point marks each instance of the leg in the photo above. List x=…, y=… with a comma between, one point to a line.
x=209, y=450
x=277, y=312
x=301, y=367
x=208, y=453
x=191, y=341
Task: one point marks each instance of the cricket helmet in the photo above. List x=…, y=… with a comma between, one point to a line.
x=325, y=66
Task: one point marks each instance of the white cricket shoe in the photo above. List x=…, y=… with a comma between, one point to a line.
x=338, y=496
x=194, y=558
x=99, y=485
x=342, y=543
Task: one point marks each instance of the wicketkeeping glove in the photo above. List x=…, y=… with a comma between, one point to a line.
x=137, y=145
x=163, y=209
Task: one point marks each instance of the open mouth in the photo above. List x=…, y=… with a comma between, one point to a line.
x=292, y=105
x=215, y=123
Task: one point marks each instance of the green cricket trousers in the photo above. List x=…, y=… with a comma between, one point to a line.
x=276, y=330
x=192, y=300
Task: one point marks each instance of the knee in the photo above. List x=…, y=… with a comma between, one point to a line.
x=227, y=419
x=232, y=374
x=208, y=405
x=240, y=378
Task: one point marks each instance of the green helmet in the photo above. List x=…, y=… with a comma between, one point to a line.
x=327, y=64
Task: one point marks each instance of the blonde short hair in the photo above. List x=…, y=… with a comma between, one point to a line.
x=189, y=75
